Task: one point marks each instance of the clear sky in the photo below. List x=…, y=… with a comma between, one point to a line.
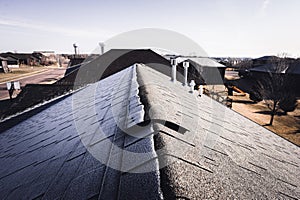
x=221, y=27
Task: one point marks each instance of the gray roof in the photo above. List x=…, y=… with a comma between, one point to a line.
x=2, y=58
x=290, y=67
x=46, y=155
x=224, y=155
x=294, y=68
x=206, y=62
x=268, y=68
x=83, y=147
x=201, y=61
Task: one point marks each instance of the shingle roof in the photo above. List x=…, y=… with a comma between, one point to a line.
x=45, y=156
x=265, y=68
x=293, y=68
x=226, y=155
x=9, y=58
x=2, y=58
x=73, y=149
x=203, y=70
x=114, y=61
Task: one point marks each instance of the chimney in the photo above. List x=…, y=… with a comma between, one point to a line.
x=186, y=65
x=101, y=44
x=174, y=70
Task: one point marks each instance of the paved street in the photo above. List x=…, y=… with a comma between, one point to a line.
x=231, y=75
x=48, y=77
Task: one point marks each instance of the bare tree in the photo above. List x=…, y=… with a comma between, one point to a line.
x=245, y=64
x=273, y=87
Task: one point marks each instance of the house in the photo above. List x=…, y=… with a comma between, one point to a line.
x=23, y=58
x=206, y=71
x=3, y=65
x=117, y=59
x=290, y=69
x=263, y=60
x=46, y=57
x=27, y=59
x=134, y=134
x=113, y=61
x=12, y=62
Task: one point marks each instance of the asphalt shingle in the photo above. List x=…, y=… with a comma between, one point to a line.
x=233, y=157
x=96, y=144
x=74, y=148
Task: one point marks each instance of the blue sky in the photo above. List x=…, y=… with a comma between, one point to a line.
x=221, y=27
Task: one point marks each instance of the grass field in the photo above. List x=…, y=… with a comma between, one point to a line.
x=20, y=72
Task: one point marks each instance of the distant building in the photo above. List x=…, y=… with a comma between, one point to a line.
x=265, y=66
x=115, y=60
x=12, y=62
x=32, y=59
x=46, y=57
x=3, y=65
x=204, y=71
x=23, y=58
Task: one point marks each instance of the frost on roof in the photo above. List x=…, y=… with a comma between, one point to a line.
x=77, y=148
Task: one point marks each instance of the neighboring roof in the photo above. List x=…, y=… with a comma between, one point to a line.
x=205, y=62
x=19, y=56
x=117, y=59
x=203, y=70
x=266, y=58
x=10, y=58
x=163, y=52
x=23, y=56
x=273, y=58
x=265, y=68
x=44, y=52
x=210, y=71
x=219, y=153
x=200, y=61
x=5, y=55
x=293, y=68
x=2, y=58
x=114, y=61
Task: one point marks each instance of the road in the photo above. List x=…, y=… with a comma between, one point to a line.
x=231, y=75
x=47, y=77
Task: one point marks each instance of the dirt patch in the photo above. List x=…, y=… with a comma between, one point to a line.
x=287, y=126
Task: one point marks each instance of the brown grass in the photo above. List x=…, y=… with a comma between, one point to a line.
x=19, y=72
x=287, y=126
